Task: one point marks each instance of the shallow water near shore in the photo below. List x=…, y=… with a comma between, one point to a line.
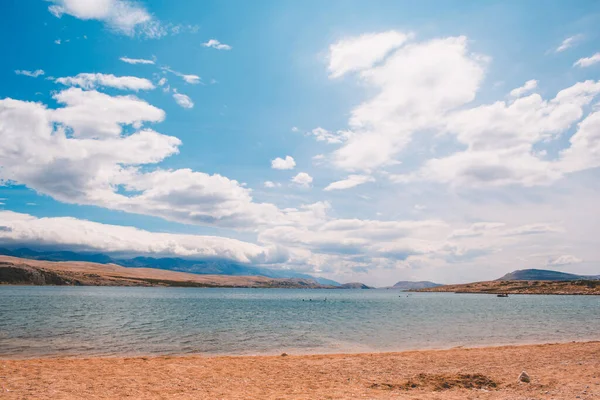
x=106, y=321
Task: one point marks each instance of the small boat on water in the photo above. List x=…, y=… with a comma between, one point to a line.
x=502, y=295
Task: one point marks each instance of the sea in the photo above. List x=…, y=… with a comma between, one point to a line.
x=49, y=321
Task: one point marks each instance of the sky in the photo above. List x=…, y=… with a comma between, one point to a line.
x=359, y=141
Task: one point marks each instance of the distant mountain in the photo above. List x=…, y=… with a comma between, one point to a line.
x=57, y=255
x=412, y=285
x=201, y=267
x=543, y=275
x=355, y=285
x=23, y=271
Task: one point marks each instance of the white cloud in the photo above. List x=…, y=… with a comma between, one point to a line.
x=91, y=114
x=569, y=42
x=302, y=179
x=136, y=60
x=362, y=52
x=415, y=86
x=477, y=229
x=500, y=137
x=192, y=79
x=566, y=259
x=584, y=150
x=323, y=135
x=122, y=16
x=499, y=229
x=183, y=100
x=101, y=165
x=588, y=61
x=33, y=74
x=281, y=163
x=92, y=81
x=57, y=41
x=215, y=44
x=350, y=182
x=189, y=78
x=270, y=184
x=526, y=88
x=295, y=129
x=73, y=233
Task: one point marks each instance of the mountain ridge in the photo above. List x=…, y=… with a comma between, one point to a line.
x=208, y=266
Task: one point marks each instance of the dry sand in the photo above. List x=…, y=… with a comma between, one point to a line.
x=558, y=371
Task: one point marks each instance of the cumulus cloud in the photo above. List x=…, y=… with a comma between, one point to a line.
x=588, y=61
x=93, y=81
x=584, y=150
x=136, y=60
x=526, y=88
x=122, y=16
x=426, y=87
x=100, y=165
x=350, y=182
x=283, y=163
x=416, y=85
x=183, y=100
x=73, y=233
x=215, y=44
x=362, y=52
x=302, y=179
x=33, y=74
x=500, y=139
x=91, y=114
x=568, y=43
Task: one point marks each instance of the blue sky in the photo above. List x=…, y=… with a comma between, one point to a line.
x=441, y=172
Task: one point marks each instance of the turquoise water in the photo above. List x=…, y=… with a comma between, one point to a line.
x=49, y=321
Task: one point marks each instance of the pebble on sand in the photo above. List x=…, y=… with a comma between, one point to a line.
x=524, y=377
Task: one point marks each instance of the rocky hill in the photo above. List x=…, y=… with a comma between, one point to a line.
x=20, y=271
x=523, y=287
x=544, y=275
x=209, y=266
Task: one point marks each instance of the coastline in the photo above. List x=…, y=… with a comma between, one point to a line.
x=559, y=370
x=559, y=288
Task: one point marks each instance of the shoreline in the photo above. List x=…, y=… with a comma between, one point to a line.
x=557, y=370
x=297, y=352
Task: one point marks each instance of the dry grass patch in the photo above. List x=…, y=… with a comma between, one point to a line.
x=439, y=382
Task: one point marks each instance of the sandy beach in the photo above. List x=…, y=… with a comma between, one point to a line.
x=557, y=371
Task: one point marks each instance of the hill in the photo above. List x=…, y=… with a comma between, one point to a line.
x=543, y=275
x=412, y=285
x=355, y=285
x=211, y=266
x=523, y=287
x=79, y=273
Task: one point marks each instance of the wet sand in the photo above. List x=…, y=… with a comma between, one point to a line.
x=557, y=371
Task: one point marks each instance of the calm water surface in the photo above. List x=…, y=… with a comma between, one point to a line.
x=48, y=321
